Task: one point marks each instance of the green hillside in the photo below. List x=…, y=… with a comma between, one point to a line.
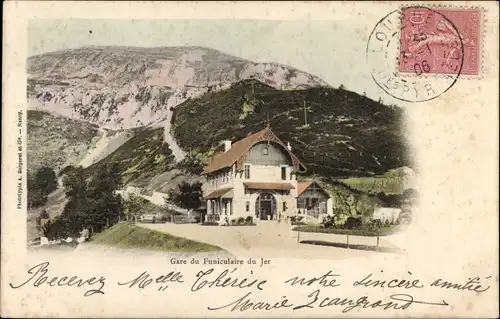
x=56, y=141
x=336, y=133
x=142, y=157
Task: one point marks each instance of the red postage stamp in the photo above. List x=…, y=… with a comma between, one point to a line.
x=444, y=41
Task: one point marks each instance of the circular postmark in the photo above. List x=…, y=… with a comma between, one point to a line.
x=415, y=54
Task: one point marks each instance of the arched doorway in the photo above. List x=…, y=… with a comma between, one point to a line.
x=265, y=206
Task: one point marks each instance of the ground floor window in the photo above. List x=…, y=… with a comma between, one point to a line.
x=311, y=206
x=222, y=206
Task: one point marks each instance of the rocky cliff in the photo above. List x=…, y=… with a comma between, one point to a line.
x=126, y=87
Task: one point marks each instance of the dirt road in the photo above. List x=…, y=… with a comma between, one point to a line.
x=269, y=239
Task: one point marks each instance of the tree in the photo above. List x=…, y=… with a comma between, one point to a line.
x=344, y=203
x=75, y=183
x=36, y=198
x=71, y=221
x=409, y=195
x=187, y=195
x=93, y=202
x=46, y=180
x=106, y=206
x=40, y=186
x=66, y=170
x=43, y=215
x=193, y=163
x=133, y=206
x=58, y=228
x=366, y=204
x=168, y=201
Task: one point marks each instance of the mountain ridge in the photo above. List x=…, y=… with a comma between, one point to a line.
x=335, y=130
x=110, y=85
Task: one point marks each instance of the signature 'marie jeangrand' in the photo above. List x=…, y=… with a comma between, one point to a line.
x=317, y=300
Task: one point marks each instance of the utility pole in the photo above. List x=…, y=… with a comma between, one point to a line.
x=314, y=168
x=305, y=113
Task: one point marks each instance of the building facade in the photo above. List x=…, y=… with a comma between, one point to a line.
x=312, y=200
x=256, y=176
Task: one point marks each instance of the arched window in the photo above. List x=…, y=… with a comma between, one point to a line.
x=265, y=206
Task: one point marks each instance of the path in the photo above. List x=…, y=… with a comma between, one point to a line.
x=268, y=239
x=169, y=139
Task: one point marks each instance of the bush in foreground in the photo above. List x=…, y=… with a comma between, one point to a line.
x=297, y=220
x=355, y=232
x=210, y=223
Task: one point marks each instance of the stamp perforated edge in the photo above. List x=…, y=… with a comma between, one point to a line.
x=482, y=31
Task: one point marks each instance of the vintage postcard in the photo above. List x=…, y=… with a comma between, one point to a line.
x=250, y=159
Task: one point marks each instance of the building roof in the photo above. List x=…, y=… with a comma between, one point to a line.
x=273, y=186
x=237, y=152
x=218, y=193
x=302, y=186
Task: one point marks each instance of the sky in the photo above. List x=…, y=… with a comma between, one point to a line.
x=332, y=50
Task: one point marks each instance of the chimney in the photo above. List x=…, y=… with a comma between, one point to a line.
x=227, y=146
x=289, y=146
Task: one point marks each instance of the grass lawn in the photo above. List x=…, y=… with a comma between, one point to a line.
x=356, y=232
x=126, y=235
x=388, y=185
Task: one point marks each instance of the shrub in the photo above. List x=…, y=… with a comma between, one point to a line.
x=249, y=220
x=356, y=232
x=197, y=219
x=402, y=221
x=375, y=225
x=233, y=221
x=404, y=218
x=353, y=223
x=211, y=224
x=213, y=218
x=297, y=220
x=328, y=222
x=241, y=221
